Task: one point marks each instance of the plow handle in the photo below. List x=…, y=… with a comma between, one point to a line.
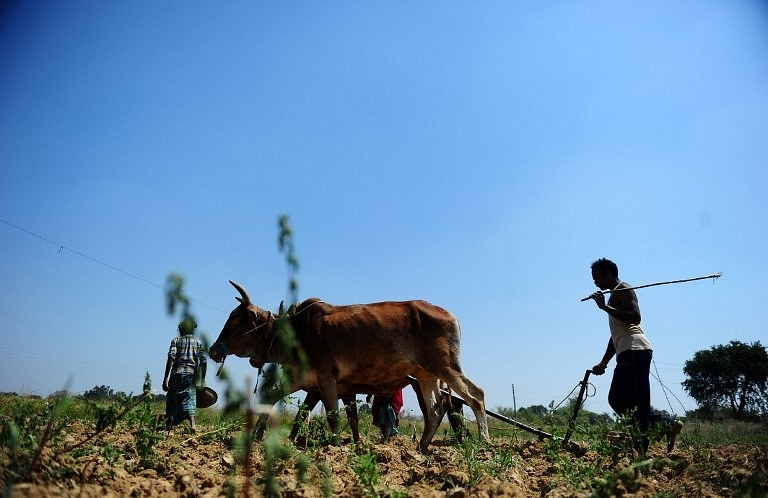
x=584, y=383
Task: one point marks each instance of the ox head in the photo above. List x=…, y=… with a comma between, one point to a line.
x=246, y=334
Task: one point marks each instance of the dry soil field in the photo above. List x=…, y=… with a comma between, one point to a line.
x=205, y=464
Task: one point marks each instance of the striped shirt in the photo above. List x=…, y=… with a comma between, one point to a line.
x=187, y=353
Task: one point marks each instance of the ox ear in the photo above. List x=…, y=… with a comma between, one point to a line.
x=244, y=299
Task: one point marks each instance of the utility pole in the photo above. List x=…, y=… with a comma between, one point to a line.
x=514, y=402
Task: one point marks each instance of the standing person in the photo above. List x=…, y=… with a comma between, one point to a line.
x=630, y=390
x=186, y=363
x=385, y=410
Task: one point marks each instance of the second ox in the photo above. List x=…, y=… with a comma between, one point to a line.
x=374, y=344
x=347, y=394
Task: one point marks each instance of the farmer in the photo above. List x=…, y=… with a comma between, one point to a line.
x=385, y=410
x=630, y=391
x=186, y=363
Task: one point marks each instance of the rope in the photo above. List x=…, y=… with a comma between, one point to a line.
x=567, y=397
x=102, y=263
x=666, y=390
x=244, y=332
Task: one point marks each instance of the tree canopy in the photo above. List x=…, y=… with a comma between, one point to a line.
x=732, y=376
x=99, y=393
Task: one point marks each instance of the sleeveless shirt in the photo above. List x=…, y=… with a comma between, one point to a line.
x=627, y=336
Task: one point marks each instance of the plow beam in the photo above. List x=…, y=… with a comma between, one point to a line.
x=566, y=443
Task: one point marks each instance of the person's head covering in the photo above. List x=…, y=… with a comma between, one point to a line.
x=187, y=327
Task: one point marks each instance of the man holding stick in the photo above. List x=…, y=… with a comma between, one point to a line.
x=630, y=391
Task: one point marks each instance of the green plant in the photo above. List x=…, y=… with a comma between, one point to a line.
x=325, y=470
x=395, y=493
x=29, y=425
x=277, y=380
x=274, y=451
x=106, y=415
x=626, y=478
x=611, y=443
x=757, y=483
x=9, y=439
x=502, y=461
x=582, y=474
x=470, y=446
x=704, y=437
x=366, y=468
x=110, y=453
x=729, y=431
x=302, y=465
x=224, y=428
x=146, y=435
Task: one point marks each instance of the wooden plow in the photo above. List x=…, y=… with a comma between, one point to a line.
x=565, y=442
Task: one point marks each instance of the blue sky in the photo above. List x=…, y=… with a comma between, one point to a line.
x=478, y=155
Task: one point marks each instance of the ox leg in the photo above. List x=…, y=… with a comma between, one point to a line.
x=260, y=427
x=310, y=401
x=386, y=431
x=419, y=396
x=456, y=418
x=434, y=411
x=350, y=406
x=453, y=408
x=330, y=396
x=473, y=396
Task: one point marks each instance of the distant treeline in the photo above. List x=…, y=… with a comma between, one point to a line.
x=98, y=393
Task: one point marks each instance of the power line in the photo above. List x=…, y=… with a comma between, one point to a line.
x=62, y=247
x=40, y=360
x=69, y=360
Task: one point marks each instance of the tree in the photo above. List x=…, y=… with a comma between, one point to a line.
x=105, y=393
x=732, y=376
x=60, y=394
x=99, y=393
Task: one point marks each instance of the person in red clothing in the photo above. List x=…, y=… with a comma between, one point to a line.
x=386, y=412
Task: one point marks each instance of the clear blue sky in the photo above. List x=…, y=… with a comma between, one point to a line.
x=478, y=155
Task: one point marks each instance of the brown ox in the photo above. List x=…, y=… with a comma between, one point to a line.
x=375, y=344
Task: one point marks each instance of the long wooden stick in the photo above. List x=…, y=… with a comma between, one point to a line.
x=714, y=277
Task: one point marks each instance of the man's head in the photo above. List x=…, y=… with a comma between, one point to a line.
x=605, y=273
x=187, y=327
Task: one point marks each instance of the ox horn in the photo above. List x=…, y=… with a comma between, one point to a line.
x=245, y=299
